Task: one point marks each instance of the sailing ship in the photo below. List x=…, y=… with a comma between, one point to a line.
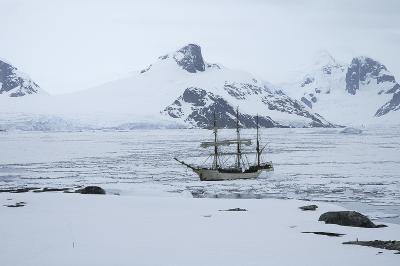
x=241, y=168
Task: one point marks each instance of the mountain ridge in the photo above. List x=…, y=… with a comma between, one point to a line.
x=355, y=93
x=15, y=83
x=182, y=89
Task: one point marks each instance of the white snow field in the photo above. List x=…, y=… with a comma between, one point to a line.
x=73, y=229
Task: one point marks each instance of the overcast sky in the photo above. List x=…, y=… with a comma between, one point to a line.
x=75, y=44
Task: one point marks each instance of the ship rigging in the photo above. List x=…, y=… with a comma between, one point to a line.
x=241, y=169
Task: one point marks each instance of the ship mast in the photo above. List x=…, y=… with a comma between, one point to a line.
x=258, y=145
x=215, y=163
x=239, y=156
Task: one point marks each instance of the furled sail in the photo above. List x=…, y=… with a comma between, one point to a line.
x=227, y=142
x=235, y=153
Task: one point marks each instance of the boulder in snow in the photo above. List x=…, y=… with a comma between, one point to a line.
x=309, y=208
x=348, y=218
x=91, y=190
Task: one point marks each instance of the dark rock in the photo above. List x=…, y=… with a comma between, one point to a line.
x=385, y=78
x=16, y=205
x=363, y=70
x=203, y=105
x=348, y=218
x=234, y=210
x=91, y=190
x=146, y=69
x=21, y=190
x=307, y=81
x=6, y=190
x=163, y=57
x=389, y=245
x=12, y=80
x=47, y=189
x=309, y=208
x=306, y=102
x=392, y=105
x=396, y=88
x=216, y=66
x=327, y=70
x=325, y=234
x=190, y=58
x=18, y=190
x=194, y=96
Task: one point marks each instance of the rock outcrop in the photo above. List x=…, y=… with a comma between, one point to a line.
x=15, y=83
x=348, y=218
x=91, y=190
x=389, y=245
x=308, y=208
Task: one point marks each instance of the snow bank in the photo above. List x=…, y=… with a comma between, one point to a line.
x=73, y=229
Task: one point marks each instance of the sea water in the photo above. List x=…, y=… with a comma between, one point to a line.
x=359, y=171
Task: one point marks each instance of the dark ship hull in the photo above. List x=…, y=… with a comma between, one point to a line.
x=232, y=174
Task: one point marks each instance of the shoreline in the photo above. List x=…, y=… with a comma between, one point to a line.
x=388, y=213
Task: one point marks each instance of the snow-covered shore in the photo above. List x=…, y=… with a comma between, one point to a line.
x=71, y=229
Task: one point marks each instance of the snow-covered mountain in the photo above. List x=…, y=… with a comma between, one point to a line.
x=14, y=83
x=182, y=87
x=356, y=93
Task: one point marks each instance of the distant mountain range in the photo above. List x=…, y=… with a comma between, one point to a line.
x=182, y=89
x=355, y=93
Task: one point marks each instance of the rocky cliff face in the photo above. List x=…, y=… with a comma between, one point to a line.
x=392, y=105
x=363, y=71
x=197, y=106
x=14, y=83
x=190, y=58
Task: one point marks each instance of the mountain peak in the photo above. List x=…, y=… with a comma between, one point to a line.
x=362, y=70
x=190, y=58
x=368, y=61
